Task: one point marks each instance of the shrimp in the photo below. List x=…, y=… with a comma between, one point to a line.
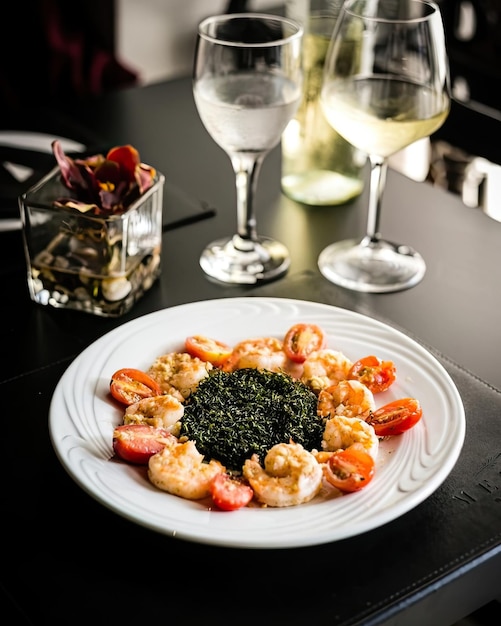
x=179, y=373
x=350, y=398
x=324, y=368
x=265, y=353
x=180, y=469
x=341, y=432
x=291, y=475
x=160, y=411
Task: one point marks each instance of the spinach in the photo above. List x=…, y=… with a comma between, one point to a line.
x=233, y=415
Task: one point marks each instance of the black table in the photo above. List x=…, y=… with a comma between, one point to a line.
x=70, y=560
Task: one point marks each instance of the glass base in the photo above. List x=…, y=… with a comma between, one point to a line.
x=238, y=261
x=371, y=266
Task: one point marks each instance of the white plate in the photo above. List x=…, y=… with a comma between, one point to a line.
x=409, y=467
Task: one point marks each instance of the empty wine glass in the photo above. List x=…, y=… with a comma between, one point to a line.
x=247, y=82
x=385, y=85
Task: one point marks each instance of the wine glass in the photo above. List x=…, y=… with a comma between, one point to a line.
x=385, y=85
x=247, y=83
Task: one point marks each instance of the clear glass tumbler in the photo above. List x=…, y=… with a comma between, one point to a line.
x=96, y=264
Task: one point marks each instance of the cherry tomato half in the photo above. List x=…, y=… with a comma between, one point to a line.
x=136, y=443
x=129, y=385
x=349, y=470
x=375, y=374
x=230, y=494
x=207, y=349
x=303, y=339
x=396, y=417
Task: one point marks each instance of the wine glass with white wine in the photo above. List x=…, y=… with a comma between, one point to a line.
x=247, y=83
x=386, y=85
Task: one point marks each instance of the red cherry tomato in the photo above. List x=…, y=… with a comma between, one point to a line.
x=129, y=385
x=349, y=470
x=303, y=339
x=375, y=374
x=396, y=417
x=136, y=443
x=230, y=494
x=207, y=349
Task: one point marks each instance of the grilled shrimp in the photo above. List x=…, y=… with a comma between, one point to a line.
x=160, y=411
x=325, y=367
x=180, y=469
x=291, y=475
x=350, y=398
x=342, y=432
x=179, y=373
x=264, y=353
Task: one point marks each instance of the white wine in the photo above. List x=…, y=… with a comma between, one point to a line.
x=383, y=115
x=390, y=92
x=319, y=167
x=246, y=111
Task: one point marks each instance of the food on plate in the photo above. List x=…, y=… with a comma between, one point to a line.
x=342, y=432
x=136, y=443
x=396, y=417
x=375, y=374
x=179, y=373
x=180, y=469
x=290, y=475
x=162, y=411
x=346, y=397
x=303, y=339
x=265, y=353
x=230, y=493
x=234, y=415
x=129, y=385
x=207, y=349
x=268, y=422
x=349, y=469
x=324, y=368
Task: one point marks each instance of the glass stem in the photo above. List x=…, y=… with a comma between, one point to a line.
x=378, y=168
x=246, y=173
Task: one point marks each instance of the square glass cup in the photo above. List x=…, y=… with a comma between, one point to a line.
x=99, y=264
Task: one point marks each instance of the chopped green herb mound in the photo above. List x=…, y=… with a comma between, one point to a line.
x=234, y=415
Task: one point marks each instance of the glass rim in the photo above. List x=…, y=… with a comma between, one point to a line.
x=29, y=199
x=433, y=6
x=227, y=17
